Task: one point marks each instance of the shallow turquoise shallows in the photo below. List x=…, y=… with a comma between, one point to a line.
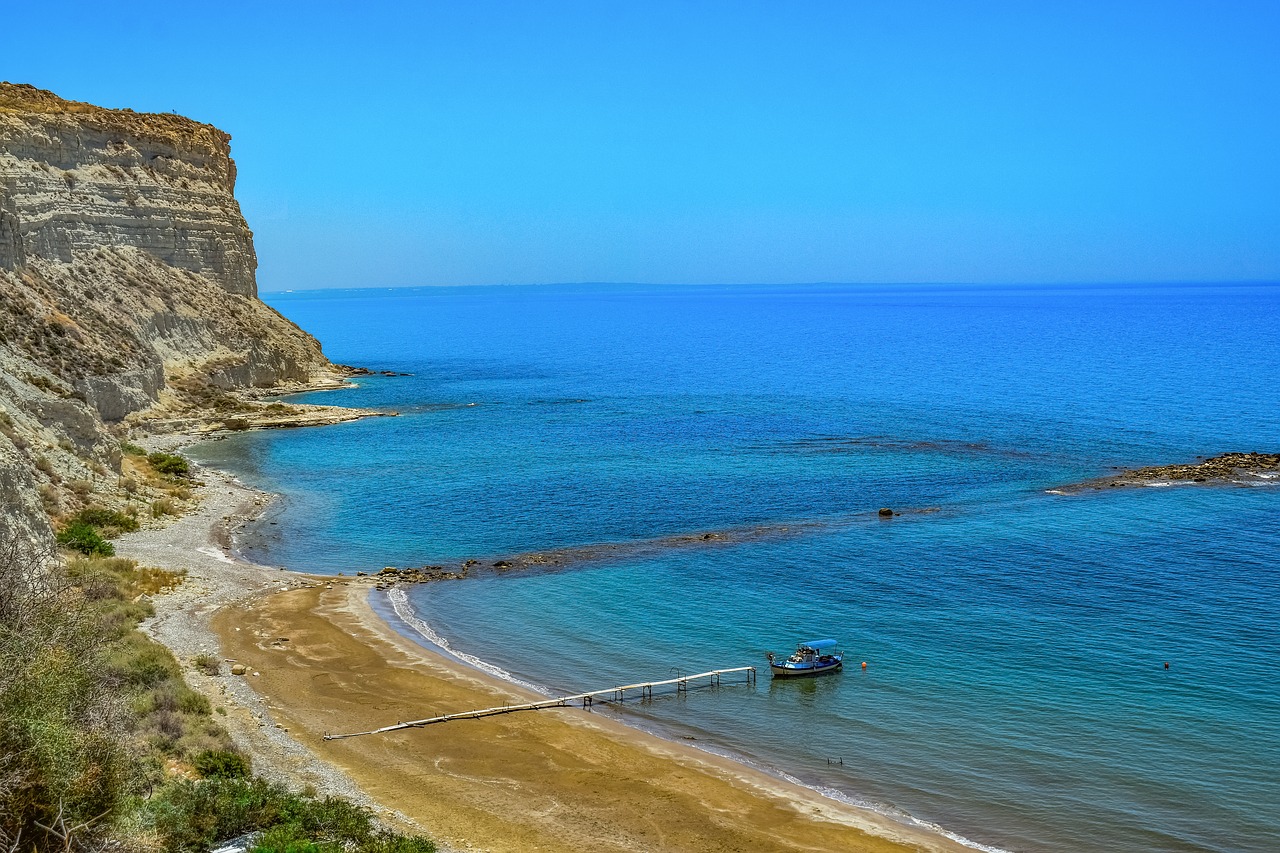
x=1015, y=693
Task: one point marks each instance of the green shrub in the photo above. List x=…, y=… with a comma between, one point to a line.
x=169, y=463
x=191, y=702
x=208, y=664
x=62, y=749
x=193, y=816
x=175, y=696
x=138, y=662
x=132, y=449
x=109, y=521
x=221, y=764
x=290, y=838
x=83, y=538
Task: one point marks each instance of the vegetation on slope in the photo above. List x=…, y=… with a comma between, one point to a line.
x=104, y=746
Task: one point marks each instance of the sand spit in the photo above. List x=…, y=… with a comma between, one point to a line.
x=319, y=659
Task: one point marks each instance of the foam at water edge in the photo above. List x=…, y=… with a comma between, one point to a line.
x=404, y=611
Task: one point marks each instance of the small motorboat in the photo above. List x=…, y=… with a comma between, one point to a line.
x=816, y=657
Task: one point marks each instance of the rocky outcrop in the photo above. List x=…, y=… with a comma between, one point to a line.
x=1227, y=467
x=1240, y=469
x=127, y=295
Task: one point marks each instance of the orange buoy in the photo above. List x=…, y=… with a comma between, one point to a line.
x=864, y=664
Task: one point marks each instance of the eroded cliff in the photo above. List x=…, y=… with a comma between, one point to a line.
x=127, y=279
x=78, y=177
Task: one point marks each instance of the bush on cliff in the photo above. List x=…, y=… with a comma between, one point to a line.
x=108, y=521
x=169, y=463
x=85, y=539
x=87, y=531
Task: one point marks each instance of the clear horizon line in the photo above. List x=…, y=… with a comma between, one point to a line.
x=986, y=284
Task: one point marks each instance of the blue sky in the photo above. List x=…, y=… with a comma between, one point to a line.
x=387, y=143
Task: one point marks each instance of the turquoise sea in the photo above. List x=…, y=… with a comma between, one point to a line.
x=1015, y=693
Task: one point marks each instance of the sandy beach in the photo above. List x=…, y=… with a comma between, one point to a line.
x=321, y=660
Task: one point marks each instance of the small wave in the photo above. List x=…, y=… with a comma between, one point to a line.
x=893, y=813
x=405, y=612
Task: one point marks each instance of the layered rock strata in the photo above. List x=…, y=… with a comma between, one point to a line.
x=76, y=177
x=127, y=298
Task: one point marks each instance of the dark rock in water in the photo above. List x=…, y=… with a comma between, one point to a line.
x=885, y=512
x=502, y=564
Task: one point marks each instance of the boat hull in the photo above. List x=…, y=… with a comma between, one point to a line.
x=804, y=670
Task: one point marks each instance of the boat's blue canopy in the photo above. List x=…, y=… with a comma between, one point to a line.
x=819, y=645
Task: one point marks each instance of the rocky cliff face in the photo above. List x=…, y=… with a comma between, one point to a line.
x=127, y=295
x=76, y=177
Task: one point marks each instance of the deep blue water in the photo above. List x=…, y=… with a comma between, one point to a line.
x=1015, y=692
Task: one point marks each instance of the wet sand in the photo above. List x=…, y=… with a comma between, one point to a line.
x=551, y=780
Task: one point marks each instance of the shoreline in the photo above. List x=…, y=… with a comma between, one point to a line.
x=196, y=544
x=272, y=715
x=504, y=783
x=403, y=626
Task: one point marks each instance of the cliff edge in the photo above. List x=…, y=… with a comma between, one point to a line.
x=129, y=298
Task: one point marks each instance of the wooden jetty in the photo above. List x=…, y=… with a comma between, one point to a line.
x=618, y=694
